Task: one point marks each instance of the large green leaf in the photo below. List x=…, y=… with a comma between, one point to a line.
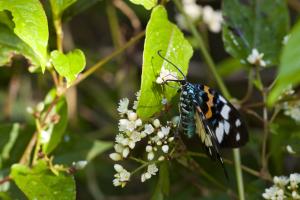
x=255, y=24
x=148, y=4
x=10, y=44
x=40, y=183
x=68, y=65
x=289, y=68
x=30, y=25
x=165, y=36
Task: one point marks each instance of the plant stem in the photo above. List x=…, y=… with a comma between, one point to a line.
x=108, y=58
x=223, y=89
x=264, y=161
x=238, y=173
x=113, y=24
x=59, y=34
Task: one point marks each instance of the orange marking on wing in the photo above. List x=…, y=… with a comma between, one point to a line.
x=209, y=103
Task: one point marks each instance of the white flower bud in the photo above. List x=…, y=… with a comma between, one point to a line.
x=148, y=148
x=80, y=164
x=115, y=156
x=156, y=123
x=171, y=139
x=30, y=110
x=159, y=143
x=150, y=156
x=165, y=148
x=161, y=158
x=132, y=116
x=40, y=106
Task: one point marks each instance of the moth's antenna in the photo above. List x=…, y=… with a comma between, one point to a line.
x=158, y=52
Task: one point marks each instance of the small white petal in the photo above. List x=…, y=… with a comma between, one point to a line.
x=138, y=122
x=115, y=156
x=143, y=178
x=118, y=148
x=131, y=144
x=118, y=167
x=123, y=106
x=290, y=149
x=125, y=152
x=147, y=175
x=160, y=134
x=148, y=129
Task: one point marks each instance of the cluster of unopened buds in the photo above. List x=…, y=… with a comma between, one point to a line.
x=156, y=137
x=284, y=188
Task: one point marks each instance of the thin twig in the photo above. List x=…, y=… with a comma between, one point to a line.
x=126, y=10
x=105, y=60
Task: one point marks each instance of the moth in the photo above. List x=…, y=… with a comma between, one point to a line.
x=206, y=113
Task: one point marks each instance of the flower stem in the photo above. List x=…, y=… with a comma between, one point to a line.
x=224, y=90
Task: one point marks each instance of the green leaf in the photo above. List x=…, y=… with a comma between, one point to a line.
x=289, y=68
x=165, y=36
x=40, y=183
x=76, y=148
x=57, y=130
x=59, y=6
x=164, y=178
x=163, y=185
x=30, y=25
x=228, y=67
x=148, y=4
x=10, y=44
x=255, y=24
x=68, y=65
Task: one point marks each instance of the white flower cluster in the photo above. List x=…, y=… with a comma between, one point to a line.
x=283, y=188
x=131, y=131
x=166, y=75
x=256, y=58
x=213, y=19
x=292, y=109
x=121, y=177
x=287, y=92
x=151, y=171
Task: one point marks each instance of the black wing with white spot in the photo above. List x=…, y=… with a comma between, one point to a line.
x=223, y=118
